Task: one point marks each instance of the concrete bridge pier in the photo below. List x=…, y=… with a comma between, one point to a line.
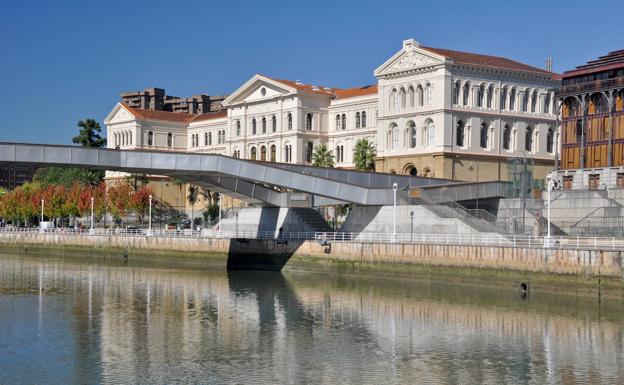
x=260, y=254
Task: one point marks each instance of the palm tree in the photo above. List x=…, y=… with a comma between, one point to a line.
x=322, y=157
x=364, y=155
x=193, y=194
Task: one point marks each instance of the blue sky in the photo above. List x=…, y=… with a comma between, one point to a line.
x=63, y=61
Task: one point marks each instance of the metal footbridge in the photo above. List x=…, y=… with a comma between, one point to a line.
x=266, y=183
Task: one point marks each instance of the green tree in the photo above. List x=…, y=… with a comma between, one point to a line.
x=322, y=157
x=193, y=195
x=364, y=155
x=89, y=134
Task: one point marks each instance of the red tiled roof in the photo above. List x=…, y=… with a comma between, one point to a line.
x=210, y=116
x=310, y=88
x=486, y=61
x=178, y=117
x=612, y=60
x=354, y=92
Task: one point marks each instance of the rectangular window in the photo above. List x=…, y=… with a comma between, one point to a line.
x=567, y=182
x=594, y=181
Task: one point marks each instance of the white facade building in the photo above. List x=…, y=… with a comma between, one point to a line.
x=434, y=112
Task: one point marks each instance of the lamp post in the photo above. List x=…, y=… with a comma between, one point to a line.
x=549, y=183
x=92, y=201
x=41, y=221
x=219, y=223
x=149, y=229
x=412, y=226
x=395, y=187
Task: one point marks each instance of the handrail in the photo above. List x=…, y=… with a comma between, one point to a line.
x=324, y=238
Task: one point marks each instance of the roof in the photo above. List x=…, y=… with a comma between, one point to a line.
x=310, y=88
x=355, y=92
x=612, y=60
x=178, y=117
x=210, y=116
x=486, y=61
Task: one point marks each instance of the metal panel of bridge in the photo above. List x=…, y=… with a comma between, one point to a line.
x=241, y=177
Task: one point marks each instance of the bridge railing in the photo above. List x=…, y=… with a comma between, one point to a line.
x=326, y=238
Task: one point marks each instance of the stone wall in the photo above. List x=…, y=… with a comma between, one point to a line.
x=586, y=262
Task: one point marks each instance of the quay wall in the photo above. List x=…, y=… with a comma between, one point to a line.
x=606, y=263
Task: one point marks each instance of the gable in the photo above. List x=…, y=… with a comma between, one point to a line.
x=409, y=58
x=256, y=89
x=119, y=115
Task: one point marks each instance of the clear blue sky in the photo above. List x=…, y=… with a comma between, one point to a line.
x=63, y=61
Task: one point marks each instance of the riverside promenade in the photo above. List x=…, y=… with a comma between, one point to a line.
x=565, y=255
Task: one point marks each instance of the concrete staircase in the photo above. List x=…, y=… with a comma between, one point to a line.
x=311, y=219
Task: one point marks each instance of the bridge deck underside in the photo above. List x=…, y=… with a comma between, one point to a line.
x=256, y=182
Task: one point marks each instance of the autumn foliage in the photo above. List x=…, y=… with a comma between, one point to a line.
x=23, y=204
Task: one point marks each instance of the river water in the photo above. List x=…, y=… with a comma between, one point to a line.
x=100, y=321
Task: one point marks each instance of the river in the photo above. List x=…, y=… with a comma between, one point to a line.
x=81, y=320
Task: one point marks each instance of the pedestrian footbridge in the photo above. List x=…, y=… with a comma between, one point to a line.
x=266, y=183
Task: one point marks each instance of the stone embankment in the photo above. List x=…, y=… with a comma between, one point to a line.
x=273, y=254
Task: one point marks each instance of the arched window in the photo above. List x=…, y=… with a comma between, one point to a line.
x=550, y=136
x=507, y=138
x=273, y=153
x=480, y=95
x=428, y=94
x=484, y=135
x=525, y=100
x=210, y=138
x=338, y=125
x=460, y=134
x=534, y=101
x=357, y=120
x=363, y=119
x=456, y=91
x=394, y=136
x=169, y=140
x=411, y=129
x=309, y=121
x=263, y=153
x=466, y=94
x=420, y=95
x=288, y=153
x=597, y=104
x=394, y=101
x=150, y=138
x=273, y=123
x=130, y=138
x=410, y=96
x=503, y=98
x=238, y=128
x=547, y=103
x=344, y=121
x=528, y=139
x=490, y=96
x=512, y=99
x=309, y=152
x=290, y=121
x=205, y=138
x=429, y=133
x=263, y=125
x=253, y=126
x=403, y=97
x=253, y=153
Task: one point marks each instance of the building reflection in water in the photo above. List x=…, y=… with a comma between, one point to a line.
x=143, y=324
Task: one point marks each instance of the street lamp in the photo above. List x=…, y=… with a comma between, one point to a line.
x=412, y=226
x=92, y=200
x=395, y=187
x=549, y=184
x=41, y=221
x=149, y=230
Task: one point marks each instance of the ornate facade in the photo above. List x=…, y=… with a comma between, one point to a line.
x=433, y=112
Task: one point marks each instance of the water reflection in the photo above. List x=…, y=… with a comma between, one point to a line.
x=68, y=321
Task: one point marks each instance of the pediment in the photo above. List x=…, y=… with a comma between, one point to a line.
x=258, y=88
x=409, y=58
x=119, y=115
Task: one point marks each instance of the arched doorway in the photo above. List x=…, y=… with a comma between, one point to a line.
x=410, y=169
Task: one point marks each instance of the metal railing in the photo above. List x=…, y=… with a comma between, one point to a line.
x=325, y=238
